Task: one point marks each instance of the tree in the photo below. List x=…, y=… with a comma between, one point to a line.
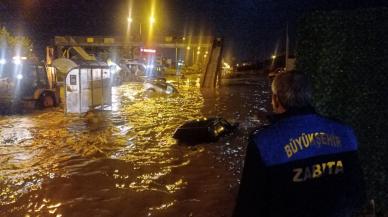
x=345, y=55
x=11, y=45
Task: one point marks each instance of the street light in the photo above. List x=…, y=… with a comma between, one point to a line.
x=152, y=20
x=150, y=29
x=273, y=61
x=130, y=21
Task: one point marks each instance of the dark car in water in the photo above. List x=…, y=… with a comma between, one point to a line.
x=203, y=130
x=159, y=85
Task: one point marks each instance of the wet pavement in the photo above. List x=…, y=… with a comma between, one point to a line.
x=125, y=162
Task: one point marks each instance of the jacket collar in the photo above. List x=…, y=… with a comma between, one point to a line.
x=273, y=118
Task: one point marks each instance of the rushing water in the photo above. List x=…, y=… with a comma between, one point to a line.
x=124, y=162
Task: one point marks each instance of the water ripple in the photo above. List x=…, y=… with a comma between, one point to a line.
x=125, y=162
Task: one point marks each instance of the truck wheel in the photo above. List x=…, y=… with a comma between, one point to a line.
x=46, y=101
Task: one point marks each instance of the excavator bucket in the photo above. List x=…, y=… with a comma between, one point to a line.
x=212, y=70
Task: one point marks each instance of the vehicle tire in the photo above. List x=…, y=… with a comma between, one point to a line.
x=46, y=101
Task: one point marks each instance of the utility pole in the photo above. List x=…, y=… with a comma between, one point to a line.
x=287, y=47
x=193, y=58
x=176, y=57
x=140, y=33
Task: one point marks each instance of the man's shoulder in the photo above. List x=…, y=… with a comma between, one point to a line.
x=334, y=122
x=311, y=119
x=259, y=130
x=301, y=121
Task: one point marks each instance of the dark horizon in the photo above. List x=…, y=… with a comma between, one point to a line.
x=252, y=29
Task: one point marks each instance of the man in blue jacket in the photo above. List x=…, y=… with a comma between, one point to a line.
x=302, y=164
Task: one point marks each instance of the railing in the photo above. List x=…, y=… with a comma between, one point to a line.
x=165, y=42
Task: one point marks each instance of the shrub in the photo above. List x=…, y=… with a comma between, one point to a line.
x=345, y=54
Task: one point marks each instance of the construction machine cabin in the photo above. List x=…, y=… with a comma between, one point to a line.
x=87, y=85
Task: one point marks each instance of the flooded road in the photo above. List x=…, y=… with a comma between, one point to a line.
x=125, y=162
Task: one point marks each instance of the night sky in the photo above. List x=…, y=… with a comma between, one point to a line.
x=252, y=29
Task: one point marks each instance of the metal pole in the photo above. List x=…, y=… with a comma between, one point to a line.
x=287, y=47
x=102, y=88
x=140, y=32
x=193, y=58
x=176, y=57
x=110, y=90
x=65, y=103
x=92, y=83
x=79, y=90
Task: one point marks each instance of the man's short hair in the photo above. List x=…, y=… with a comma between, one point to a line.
x=293, y=89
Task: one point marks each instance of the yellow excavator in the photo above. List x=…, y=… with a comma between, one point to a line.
x=25, y=83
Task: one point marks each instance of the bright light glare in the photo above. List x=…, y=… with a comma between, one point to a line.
x=3, y=61
x=145, y=50
x=19, y=76
x=110, y=62
x=129, y=19
x=149, y=66
x=115, y=68
x=273, y=56
x=17, y=61
x=152, y=20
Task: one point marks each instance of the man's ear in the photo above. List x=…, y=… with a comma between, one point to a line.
x=275, y=102
x=277, y=106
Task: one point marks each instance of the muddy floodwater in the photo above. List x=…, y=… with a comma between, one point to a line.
x=125, y=162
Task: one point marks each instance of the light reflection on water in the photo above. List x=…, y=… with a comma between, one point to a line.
x=125, y=162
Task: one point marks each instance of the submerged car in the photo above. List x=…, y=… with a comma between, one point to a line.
x=203, y=130
x=159, y=85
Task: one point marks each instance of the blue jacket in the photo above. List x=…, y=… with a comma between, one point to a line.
x=301, y=165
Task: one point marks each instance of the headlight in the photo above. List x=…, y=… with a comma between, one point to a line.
x=19, y=76
x=17, y=61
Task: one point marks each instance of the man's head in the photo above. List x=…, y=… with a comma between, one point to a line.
x=290, y=90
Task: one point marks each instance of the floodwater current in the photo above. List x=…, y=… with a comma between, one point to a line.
x=125, y=162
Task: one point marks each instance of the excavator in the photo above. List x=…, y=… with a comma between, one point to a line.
x=27, y=83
